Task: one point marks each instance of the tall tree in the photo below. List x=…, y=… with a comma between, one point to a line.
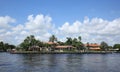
x=1, y=46
x=52, y=38
x=104, y=45
x=79, y=38
x=116, y=46
x=68, y=41
x=5, y=46
x=28, y=42
x=74, y=42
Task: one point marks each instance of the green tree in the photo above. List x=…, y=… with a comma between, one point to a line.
x=52, y=38
x=5, y=46
x=80, y=38
x=29, y=41
x=75, y=42
x=116, y=46
x=68, y=41
x=1, y=46
x=61, y=43
x=104, y=45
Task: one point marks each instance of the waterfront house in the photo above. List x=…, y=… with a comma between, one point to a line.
x=64, y=48
x=51, y=46
x=93, y=46
x=35, y=48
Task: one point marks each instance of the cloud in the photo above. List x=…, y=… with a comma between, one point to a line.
x=38, y=22
x=5, y=21
x=68, y=29
x=92, y=30
x=38, y=25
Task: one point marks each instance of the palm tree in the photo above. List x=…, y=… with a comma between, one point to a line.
x=68, y=41
x=104, y=46
x=29, y=42
x=52, y=38
x=79, y=38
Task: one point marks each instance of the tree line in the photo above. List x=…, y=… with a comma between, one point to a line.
x=5, y=46
x=30, y=41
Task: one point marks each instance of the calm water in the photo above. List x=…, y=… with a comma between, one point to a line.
x=59, y=62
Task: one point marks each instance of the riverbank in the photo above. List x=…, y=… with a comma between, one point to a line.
x=67, y=52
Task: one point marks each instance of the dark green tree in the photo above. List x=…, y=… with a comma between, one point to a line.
x=61, y=43
x=104, y=46
x=116, y=46
x=68, y=41
x=52, y=38
x=80, y=38
x=1, y=46
x=29, y=41
x=5, y=46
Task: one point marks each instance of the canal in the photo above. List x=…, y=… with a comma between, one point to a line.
x=59, y=62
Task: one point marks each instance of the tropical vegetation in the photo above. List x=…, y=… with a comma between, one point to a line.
x=6, y=46
x=31, y=41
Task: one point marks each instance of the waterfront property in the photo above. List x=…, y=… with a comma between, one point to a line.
x=64, y=48
x=93, y=46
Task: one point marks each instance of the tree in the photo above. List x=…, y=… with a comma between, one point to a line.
x=61, y=43
x=5, y=46
x=68, y=41
x=104, y=46
x=79, y=38
x=1, y=46
x=52, y=38
x=74, y=42
x=116, y=46
x=29, y=42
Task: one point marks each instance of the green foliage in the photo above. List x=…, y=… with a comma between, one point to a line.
x=30, y=41
x=104, y=46
x=116, y=46
x=61, y=43
x=5, y=46
x=69, y=41
x=75, y=42
x=52, y=38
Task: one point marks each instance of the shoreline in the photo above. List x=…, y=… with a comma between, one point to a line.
x=87, y=52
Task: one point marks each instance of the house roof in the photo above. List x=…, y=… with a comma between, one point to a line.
x=64, y=46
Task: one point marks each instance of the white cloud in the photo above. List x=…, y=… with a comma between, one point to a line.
x=5, y=21
x=70, y=29
x=91, y=30
x=38, y=25
x=18, y=28
x=38, y=22
x=94, y=30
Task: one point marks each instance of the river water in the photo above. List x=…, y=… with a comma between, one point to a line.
x=59, y=62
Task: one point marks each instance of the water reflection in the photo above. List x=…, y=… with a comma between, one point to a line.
x=59, y=62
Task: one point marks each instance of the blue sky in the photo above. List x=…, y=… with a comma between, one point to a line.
x=61, y=12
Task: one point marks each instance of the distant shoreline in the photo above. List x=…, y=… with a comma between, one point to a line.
x=87, y=52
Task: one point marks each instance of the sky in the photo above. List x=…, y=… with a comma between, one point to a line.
x=94, y=20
